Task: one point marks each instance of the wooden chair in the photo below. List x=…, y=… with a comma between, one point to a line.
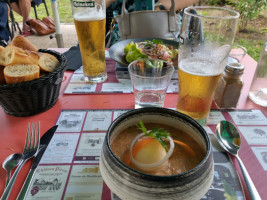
x=36, y=3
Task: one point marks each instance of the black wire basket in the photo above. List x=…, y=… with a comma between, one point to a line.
x=36, y=96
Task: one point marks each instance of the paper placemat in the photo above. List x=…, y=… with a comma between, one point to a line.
x=69, y=167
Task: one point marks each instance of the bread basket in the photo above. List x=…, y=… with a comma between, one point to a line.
x=36, y=96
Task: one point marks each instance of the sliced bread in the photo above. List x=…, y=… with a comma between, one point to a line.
x=23, y=43
x=48, y=62
x=1, y=55
x=2, y=78
x=21, y=73
x=14, y=55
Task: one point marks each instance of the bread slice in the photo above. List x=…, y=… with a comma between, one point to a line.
x=21, y=73
x=48, y=62
x=1, y=55
x=14, y=55
x=23, y=43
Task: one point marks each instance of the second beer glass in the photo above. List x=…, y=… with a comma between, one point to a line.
x=207, y=34
x=90, y=22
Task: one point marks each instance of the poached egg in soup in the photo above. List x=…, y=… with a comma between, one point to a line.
x=187, y=152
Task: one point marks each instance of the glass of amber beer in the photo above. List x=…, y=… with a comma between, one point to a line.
x=207, y=34
x=90, y=22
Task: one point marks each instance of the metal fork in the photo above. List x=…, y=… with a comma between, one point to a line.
x=31, y=146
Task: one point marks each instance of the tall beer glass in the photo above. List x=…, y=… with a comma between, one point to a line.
x=207, y=34
x=90, y=22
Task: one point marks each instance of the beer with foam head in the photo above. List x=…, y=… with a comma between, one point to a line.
x=206, y=36
x=90, y=26
x=196, y=87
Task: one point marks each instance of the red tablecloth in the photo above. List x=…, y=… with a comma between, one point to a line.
x=13, y=129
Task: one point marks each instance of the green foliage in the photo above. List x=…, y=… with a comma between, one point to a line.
x=216, y=2
x=253, y=47
x=248, y=9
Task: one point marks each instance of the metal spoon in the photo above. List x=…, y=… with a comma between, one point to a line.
x=229, y=138
x=10, y=163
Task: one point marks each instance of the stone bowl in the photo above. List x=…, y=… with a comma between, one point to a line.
x=128, y=183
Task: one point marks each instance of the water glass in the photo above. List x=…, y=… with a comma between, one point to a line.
x=258, y=89
x=90, y=23
x=207, y=34
x=150, y=79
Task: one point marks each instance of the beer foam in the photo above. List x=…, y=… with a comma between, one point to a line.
x=93, y=16
x=207, y=59
x=200, y=67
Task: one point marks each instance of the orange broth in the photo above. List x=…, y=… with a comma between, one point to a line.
x=180, y=161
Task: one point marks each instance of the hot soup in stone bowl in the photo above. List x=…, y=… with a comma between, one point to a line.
x=156, y=153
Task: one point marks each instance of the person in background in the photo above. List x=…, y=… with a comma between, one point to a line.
x=114, y=8
x=4, y=29
x=23, y=8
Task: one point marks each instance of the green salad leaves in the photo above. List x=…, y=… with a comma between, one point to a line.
x=154, y=64
x=133, y=52
x=149, y=49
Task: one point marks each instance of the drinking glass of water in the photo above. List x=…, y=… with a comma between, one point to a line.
x=150, y=79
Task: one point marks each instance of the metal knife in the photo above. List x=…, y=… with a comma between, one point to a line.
x=44, y=141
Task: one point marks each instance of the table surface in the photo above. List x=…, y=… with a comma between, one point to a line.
x=13, y=129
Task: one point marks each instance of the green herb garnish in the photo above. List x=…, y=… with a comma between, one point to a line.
x=158, y=133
